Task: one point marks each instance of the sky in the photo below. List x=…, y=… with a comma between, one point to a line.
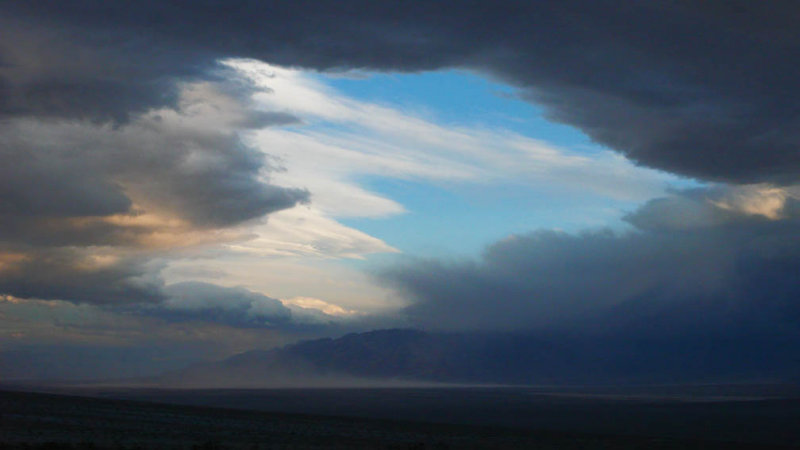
x=183, y=181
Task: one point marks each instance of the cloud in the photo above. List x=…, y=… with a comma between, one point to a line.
x=87, y=209
x=711, y=270
x=716, y=206
x=202, y=174
x=80, y=276
x=305, y=231
x=287, y=276
x=345, y=139
x=232, y=306
x=206, y=177
x=241, y=308
x=705, y=91
x=321, y=305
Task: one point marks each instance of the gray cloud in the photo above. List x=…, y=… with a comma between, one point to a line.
x=80, y=276
x=731, y=274
x=238, y=307
x=71, y=190
x=702, y=90
x=243, y=309
x=63, y=70
x=231, y=306
x=208, y=177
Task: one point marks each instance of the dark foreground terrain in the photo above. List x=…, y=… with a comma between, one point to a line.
x=49, y=421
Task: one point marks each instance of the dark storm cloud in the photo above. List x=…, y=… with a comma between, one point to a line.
x=702, y=90
x=159, y=180
x=67, y=185
x=208, y=177
x=730, y=275
x=77, y=276
x=61, y=70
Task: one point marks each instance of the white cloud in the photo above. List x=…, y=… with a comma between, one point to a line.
x=305, y=231
x=345, y=138
x=318, y=304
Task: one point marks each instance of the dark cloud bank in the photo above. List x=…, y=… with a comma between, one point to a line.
x=705, y=90
x=732, y=277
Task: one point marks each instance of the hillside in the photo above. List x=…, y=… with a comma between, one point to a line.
x=411, y=356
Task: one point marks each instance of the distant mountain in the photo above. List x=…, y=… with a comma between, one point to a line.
x=410, y=356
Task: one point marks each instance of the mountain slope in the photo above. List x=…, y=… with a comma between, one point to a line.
x=416, y=356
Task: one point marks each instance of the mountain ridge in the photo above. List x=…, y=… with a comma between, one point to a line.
x=416, y=356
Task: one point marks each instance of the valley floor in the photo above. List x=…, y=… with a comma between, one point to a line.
x=49, y=421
